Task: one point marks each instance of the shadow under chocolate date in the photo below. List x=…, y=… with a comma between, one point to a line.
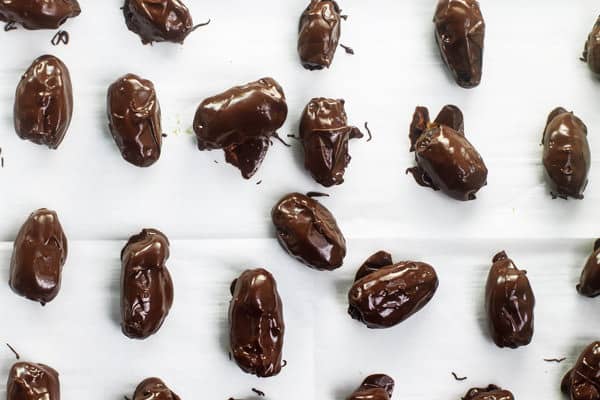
x=374, y=387
x=256, y=323
x=153, y=389
x=591, y=52
x=566, y=156
x=319, y=34
x=134, y=119
x=460, y=34
x=385, y=294
x=38, y=14
x=44, y=102
x=159, y=20
x=589, y=283
x=30, y=381
x=492, y=392
x=39, y=254
x=325, y=134
x=583, y=380
x=309, y=232
x=509, y=302
x=146, y=285
x=445, y=159
x=241, y=121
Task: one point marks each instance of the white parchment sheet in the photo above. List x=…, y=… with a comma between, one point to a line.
x=219, y=224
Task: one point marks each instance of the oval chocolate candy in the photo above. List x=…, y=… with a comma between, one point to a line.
x=153, y=389
x=256, y=323
x=319, y=34
x=31, y=381
x=146, y=285
x=374, y=387
x=39, y=14
x=491, y=392
x=591, y=52
x=582, y=382
x=39, y=254
x=589, y=283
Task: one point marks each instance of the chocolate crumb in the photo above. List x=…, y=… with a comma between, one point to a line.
x=317, y=194
x=14, y=351
x=164, y=135
x=459, y=378
x=215, y=161
x=283, y=363
x=344, y=17
x=60, y=37
x=349, y=50
x=556, y=360
x=259, y=182
x=10, y=26
x=368, y=131
x=258, y=392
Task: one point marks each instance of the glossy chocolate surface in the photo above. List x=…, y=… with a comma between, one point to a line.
x=460, y=33
x=256, y=323
x=492, y=392
x=38, y=14
x=509, y=302
x=319, y=34
x=384, y=295
x=374, y=387
x=158, y=20
x=589, y=283
x=241, y=121
x=446, y=160
x=591, y=53
x=566, y=156
x=29, y=381
x=325, y=134
x=39, y=253
x=146, y=285
x=44, y=102
x=583, y=381
x=153, y=389
x=134, y=119
x=309, y=232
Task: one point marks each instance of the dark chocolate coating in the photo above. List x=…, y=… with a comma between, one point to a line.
x=492, y=392
x=44, y=102
x=241, y=121
x=134, y=119
x=325, y=133
x=256, y=323
x=374, y=387
x=158, y=20
x=319, y=34
x=38, y=14
x=589, y=283
x=153, y=389
x=39, y=253
x=146, y=285
x=29, y=381
x=583, y=381
x=446, y=160
x=591, y=53
x=509, y=303
x=460, y=33
x=566, y=154
x=384, y=295
x=309, y=232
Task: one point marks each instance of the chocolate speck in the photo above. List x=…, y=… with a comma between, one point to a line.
x=556, y=360
x=317, y=194
x=164, y=135
x=259, y=182
x=368, y=131
x=258, y=392
x=459, y=378
x=349, y=50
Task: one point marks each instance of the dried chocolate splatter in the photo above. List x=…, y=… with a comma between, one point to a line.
x=60, y=37
x=556, y=360
x=14, y=351
x=459, y=378
x=368, y=131
x=258, y=392
x=10, y=26
x=276, y=136
x=317, y=194
x=349, y=50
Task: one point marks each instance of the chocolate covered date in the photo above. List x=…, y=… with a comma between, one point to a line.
x=38, y=14
x=460, y=33
x=492, y=392
x=582, y=382
x=39, y=253
x=589, y=283
x=319, y=34
x=29, y=381
x=309, y=232
x=591, y=52
x=325, y=134
x=374, y=387
x=256, y=323
x=134, y=119
x=445, y=159
x=44, y=102
x=146, y=285
x=153, y=389
x=566, y=155
x=509, y=303
x=241, y=121
x=159, y=20
x=384, y=293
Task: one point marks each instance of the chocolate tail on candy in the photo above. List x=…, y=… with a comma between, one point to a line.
x=248, y=156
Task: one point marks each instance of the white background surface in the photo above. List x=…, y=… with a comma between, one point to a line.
x=219, y=224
